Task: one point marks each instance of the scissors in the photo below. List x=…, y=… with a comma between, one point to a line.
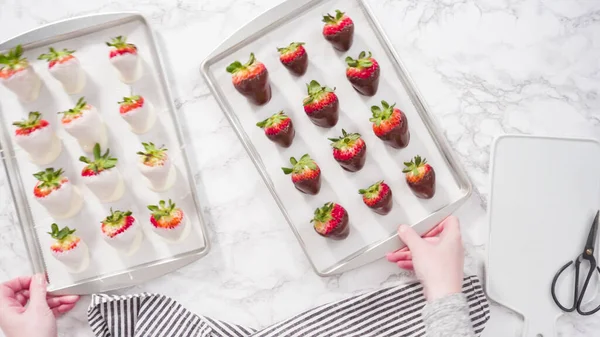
x=587, y=255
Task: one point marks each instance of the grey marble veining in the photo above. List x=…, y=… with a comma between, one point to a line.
x=485, y=68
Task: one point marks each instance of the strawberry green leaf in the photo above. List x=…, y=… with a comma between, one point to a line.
x=96, y=151
x=234, y=67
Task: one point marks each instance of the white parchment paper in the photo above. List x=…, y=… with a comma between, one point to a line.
x=103, y=90
x=327, y=66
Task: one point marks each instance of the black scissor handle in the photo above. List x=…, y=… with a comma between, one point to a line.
x=593, y=268
x=576, y=287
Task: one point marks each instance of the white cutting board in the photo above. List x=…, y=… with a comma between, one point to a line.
x=544, y=195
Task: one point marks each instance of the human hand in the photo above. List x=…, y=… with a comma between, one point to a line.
x=438, y=261
x=36, y=319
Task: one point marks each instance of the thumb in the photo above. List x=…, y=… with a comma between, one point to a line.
x=410, y=238
x=451, y=228
x=37, y=291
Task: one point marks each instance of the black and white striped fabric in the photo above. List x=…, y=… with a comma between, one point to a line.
x=392, y=311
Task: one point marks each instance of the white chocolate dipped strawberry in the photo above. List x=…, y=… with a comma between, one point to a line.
x=155, y=164
x=101, y=176
x=124, y=57
x=36, y=137
x=167, y=220
x=18, y=76
x=66, y=68
x=84, y=123
x=56, y=193
x=138, y=112
x=121, y=231
x=69, y=249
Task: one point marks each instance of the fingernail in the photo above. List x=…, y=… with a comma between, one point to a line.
x=402, y=229
x=40, y=279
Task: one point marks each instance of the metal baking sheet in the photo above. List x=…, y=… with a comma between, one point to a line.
x=371, y=235
x=108, y=268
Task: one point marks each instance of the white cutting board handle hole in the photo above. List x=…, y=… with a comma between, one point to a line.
x=539, y=328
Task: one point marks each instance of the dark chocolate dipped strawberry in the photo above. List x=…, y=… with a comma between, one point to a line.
x=321, y=105
x=420, y=177
x=279, y=129
x=306, y=174
x=378, y=197
x=350, y=151
x=294, y=57
x=363, y=73
x=251, y=80
x=331, y=221
x=339, y=30
x=390, y=125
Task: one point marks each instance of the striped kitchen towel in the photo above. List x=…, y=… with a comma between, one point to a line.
x=391, y=311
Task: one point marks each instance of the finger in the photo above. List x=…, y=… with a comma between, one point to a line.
x=62, y=309
x=21, y=298
x=9, y=291
x=399, y=256
x=38, y=291
x=54, y=302
x=451, y=227
x=408, y=265
x=18, y=284
x=435, y=231
x=410, y=238
x=432, y=240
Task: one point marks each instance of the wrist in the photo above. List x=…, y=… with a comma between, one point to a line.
x=438, y=291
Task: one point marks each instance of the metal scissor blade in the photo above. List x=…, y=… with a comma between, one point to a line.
x=590, y=245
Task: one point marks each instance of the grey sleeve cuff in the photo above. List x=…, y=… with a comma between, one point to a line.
x=448, y=317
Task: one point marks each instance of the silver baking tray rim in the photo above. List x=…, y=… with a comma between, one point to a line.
x=282, y=14
x=58, y=31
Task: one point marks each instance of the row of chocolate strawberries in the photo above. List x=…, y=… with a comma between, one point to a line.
x=121, y=231
x=56, y=193
x=331, y=220
x=18, y=75
x=252, y=78
x=36, y=137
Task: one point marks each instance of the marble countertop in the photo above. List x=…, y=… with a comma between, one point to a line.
x=485, y=67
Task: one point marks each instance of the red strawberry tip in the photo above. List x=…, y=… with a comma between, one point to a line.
x=116, y=217
x=379, y=114
x=412, y=167
x=119, y=42
x=49, y=178
x=345, y=141
x=79, y=107
x=299, y=165
x=33, y=120
x=316, y=91
x=13, y=58
x=162, y=209
x=330, y=19
x=55, y=55
x=291, y=48
x=363, y=61
x=273, y=120
x=373, y=189
x=100, y=162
